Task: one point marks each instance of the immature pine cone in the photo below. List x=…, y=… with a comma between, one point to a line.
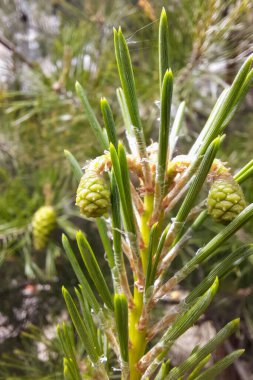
x=93, y=195
x=225, y=199
x=43, y=223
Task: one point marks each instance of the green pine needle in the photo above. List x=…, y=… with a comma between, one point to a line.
x=94, y=270
x=121, y=319
x=95, y=126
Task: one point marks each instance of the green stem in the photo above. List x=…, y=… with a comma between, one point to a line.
x=138, y=337
x=145, y=228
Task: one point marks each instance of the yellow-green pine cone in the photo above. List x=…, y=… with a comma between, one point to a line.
x=93, y=195
x=225, y=199
x=43, y=223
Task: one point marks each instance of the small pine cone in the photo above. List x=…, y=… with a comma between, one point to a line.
x=43, y=223
x=225, y=199
x=93, y=195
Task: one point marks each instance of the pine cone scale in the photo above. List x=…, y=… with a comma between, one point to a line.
x=225, y=199
x=43, y=223
x=93, y=195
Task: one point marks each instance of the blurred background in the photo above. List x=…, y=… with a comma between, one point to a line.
x=45, y=46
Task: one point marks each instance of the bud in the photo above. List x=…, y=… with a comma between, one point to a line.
x=43, y=223
x=225, y=199
x=93, y=195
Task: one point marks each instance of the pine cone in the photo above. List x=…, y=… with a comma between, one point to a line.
x=43, y=223
x=225, y=199
x=93, y=195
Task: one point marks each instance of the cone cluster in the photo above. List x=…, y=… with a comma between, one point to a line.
x=225, y=199
x=93, y=195
x=43, y=223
